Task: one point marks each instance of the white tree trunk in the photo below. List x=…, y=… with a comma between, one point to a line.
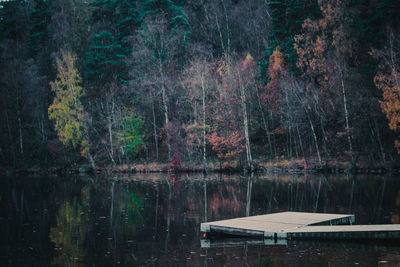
x=154, y=128
x=246, y=127
x=204, y=124
x=110, y=136
x=165, y=103
x=316, y=142
x=346, y=113
x=265, y=124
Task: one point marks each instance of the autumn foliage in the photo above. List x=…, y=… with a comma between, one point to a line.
x=234, y=82
x=227, y=147
x=391, y=97
x=387, y=79
x=175, y=162
x=66, y=109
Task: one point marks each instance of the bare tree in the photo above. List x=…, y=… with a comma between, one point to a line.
x=154, y=55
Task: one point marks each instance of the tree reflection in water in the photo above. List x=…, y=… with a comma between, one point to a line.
x=69, y=234
x=154, y=219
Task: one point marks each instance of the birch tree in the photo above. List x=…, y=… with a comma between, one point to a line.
x=198, y=80
x=154, y=57
x=323, y=48
x=67, y=111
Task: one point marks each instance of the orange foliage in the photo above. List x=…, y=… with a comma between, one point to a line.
x=276, y=66
x=230, y=78
x=389, y=84
x=247, y=63
x=219, y=205
x=391, y=95
x=387, y=79
x=175, y=163
x=227, y=147
x=311, y=46
x=225, y=201
x=276, y=71
x=322, y=42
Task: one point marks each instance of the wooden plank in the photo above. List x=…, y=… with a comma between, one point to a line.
x=300, y=218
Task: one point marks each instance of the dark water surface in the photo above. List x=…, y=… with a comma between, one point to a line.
x=155, y=219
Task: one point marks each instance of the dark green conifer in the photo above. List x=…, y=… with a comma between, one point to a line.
x=40, y=21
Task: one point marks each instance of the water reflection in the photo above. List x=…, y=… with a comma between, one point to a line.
x=248, y=193
x=154, y=219
x=69, y=234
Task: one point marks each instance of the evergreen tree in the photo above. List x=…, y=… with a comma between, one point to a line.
x=287, y=18
x=11, y=13
x=128, y=19
x=109, y=47
x=103, y=59
x=373, y=19
x=174, y=11
x=40, y=20
x=103, y=11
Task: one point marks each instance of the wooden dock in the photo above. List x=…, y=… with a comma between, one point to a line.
x=300, y=225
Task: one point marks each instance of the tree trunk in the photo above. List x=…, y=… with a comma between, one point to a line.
x=318, y=193
x=392, y=60
x=301, y=144
x=265, y=125
x=288, y=135
x=346, y=113
x=296, y=145
x=273, y=133
x=248, y=195
x=19, y=120
x=204, y=125
x=107, y=116
x=86, y=126
x=324, y=138
x=91, y=160
x=21, y=143
x=220, y=33
x=154, y=128
x=314, y=136
x=109, y=125
x=383, y=155
x=165, y=103
x=228, y=31
x=112, y=205
x=246, y=128
x=315, y=141
x=10, y=137
x=205, y=200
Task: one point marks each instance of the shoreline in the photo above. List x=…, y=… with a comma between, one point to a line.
x=272, y=167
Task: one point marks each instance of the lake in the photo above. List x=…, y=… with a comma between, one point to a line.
x=154, y=219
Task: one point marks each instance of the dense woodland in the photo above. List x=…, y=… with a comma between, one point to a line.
x=235, y=82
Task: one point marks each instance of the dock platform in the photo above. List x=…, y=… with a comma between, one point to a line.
x=301, y=225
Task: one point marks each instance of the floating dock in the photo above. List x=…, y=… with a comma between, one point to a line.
x=240, y=242
x=300, y=225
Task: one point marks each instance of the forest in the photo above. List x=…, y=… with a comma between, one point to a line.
x=211, y=83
